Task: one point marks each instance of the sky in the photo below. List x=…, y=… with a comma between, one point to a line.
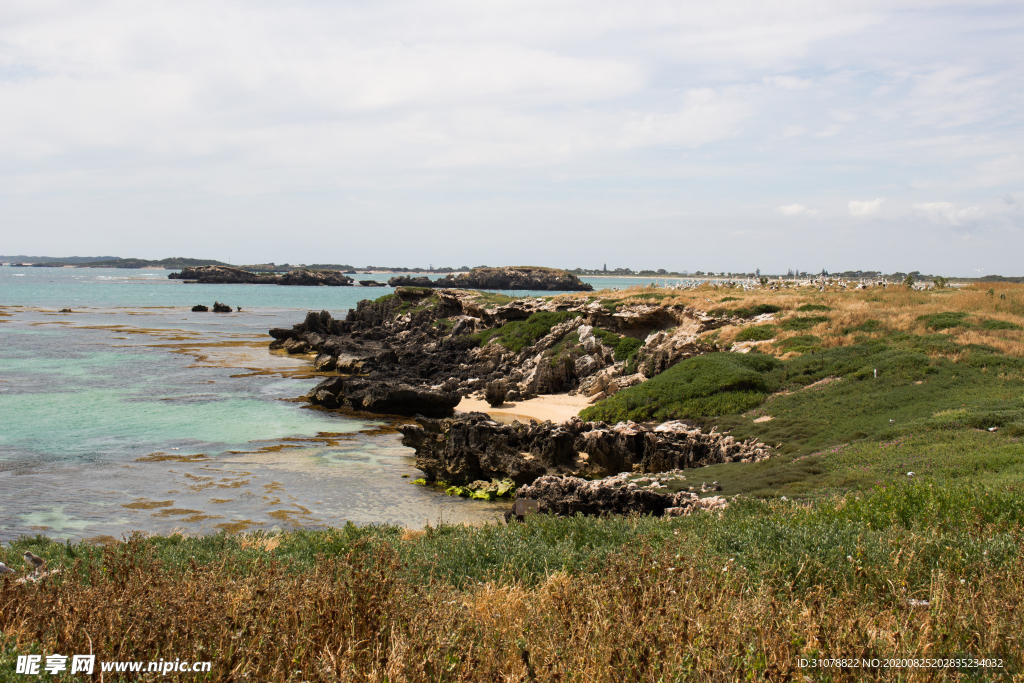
x=735, y=135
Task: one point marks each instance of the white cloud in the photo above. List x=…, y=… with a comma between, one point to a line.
x=796, y=210
x=787, y=82
x=706, y=115
x=862, y=209
x=948, y=213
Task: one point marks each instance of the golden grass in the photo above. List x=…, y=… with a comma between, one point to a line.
x=647, y=617
x=896, y=308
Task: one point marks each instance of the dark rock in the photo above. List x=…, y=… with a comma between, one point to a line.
x=297, y=346
x=390, y=398
x=66, y=310
x=523, y=278
x=372, y=283
x=477, y=447
x=567, y=496
x=218, y=307
x=199, y=308
x=495, y=392
x=228, y=275
x=325, y=362
x=409, y=281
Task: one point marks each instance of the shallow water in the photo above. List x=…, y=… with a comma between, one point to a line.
x=133, y=413
x=120, y=418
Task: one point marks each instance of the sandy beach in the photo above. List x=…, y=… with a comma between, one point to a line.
x=554, y=407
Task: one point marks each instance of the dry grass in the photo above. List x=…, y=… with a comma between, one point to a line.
x=896, y=308
x=648, y=616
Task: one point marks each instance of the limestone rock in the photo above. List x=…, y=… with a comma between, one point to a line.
x=390, y=398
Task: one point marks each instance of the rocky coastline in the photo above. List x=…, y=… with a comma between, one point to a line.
x=473, y=447
x=418, y=352
x=223, y=275
x=504, y=279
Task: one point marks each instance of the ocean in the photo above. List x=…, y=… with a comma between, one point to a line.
x=131, y=413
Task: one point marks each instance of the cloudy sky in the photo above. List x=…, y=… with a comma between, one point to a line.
x=771, y=134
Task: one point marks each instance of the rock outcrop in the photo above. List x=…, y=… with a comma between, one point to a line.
x=473, y=446
x=218, y=307
x=389, y=398
x=234, y=276
x=511, y=278
x=619, y=494
x=430, y=338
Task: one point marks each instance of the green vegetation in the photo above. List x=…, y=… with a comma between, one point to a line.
x=459, y=603
x=750, y=312
x=518, y=334
x=805, y=343
x=869, y=325
x=757, y=333
x=999, y=325
x=712, y=384
x=802, y=323
x=836, y=424
x=806, y=308
x=625, y=348
x=944, y=321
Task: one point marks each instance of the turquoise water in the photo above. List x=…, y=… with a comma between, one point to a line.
x=133, y=413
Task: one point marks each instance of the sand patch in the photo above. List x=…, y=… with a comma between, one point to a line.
x=555, y=407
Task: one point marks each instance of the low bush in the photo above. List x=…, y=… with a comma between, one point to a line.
x=625, y=348
x=712, y=384
x=518, y=334
x=806, y=308
x=999, y=325
x=945, y=320
x=802, y=323
x=750, y=312
x=756, y=333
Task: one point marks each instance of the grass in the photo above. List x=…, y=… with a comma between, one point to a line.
x=756, y=333
x=802, y=322
x=718, y=383
x=737, y=596
x=750, y=312
x=518, y=334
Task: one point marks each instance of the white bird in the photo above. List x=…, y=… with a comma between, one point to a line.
x=4, y=569
x=34, y=561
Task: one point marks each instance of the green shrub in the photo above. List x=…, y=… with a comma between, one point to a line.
x=624, y=347
x=750, y=312
x=803, y=323
x=870, y=325
x=999, y=325
x=712, y=384
x=756, y=333
x=805, y=343
x=813, y=307
x=944, y=321
x=518, y=334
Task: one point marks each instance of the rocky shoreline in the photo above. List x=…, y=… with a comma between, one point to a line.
x=474, y=447
x=223, y=275
x=418, y=352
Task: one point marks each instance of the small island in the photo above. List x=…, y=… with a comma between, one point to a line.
x=225, y=275
x=508, y=278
